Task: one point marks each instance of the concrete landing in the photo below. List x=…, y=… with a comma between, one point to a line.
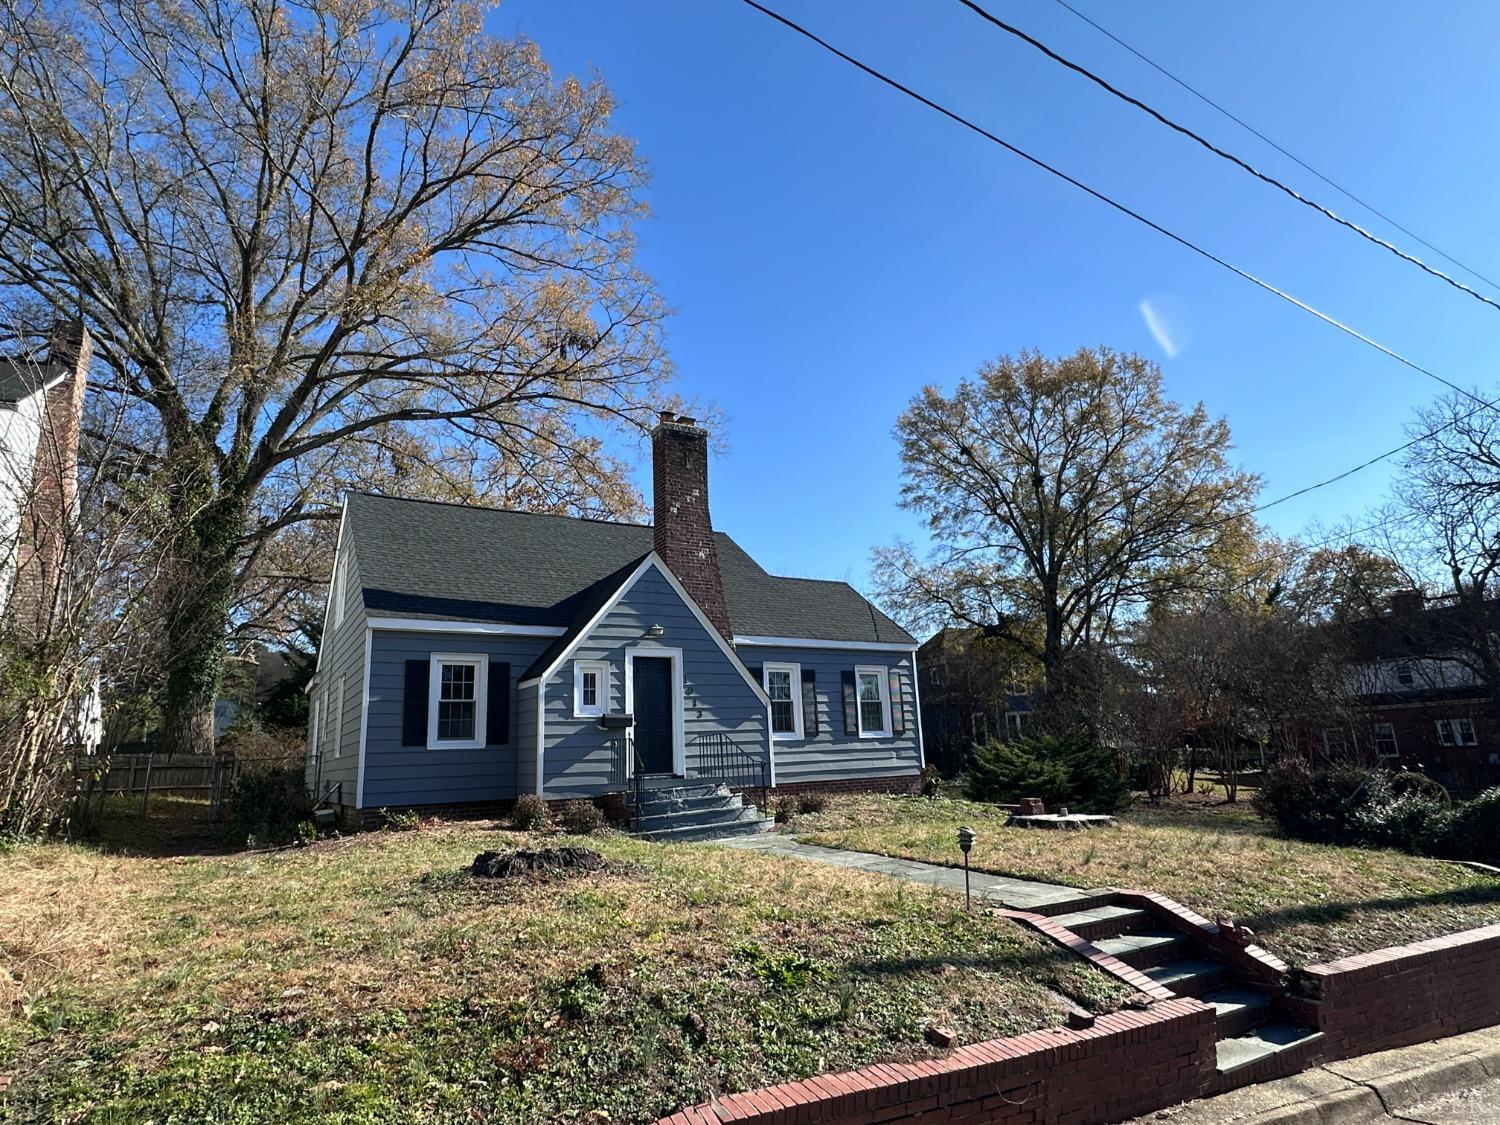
x=995, y=890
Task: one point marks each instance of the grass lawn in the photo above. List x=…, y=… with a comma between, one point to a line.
x=1306, y=902
x=367, y=979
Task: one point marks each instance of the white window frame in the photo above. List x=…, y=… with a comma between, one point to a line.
x=337, y=594
x=1332, y=734
x=338, y=718
x=481, y=664
x=599, y=668
x=882, y=677
x=795, y=672
x=1015, y=723
x=1451, y=734
x=1406, y=667
x=1390, y=730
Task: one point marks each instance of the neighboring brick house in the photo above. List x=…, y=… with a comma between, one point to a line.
x=472, y=655
x=41, y=413
x=1423, y=706
x=973, y=688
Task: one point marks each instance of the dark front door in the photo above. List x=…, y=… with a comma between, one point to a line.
x=653, y=713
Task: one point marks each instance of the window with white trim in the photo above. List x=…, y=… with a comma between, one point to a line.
x=590, y=688
x=1385, y=741
x=1405, y=676
x=336, y=592
x=1014, y=722
x=1456, y=732
x=783, y=683
x=1334, y=742
x=873, y=695
x=456, y=698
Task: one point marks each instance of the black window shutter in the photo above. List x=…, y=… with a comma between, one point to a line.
x=414, y=704
x=497, y=719
x=809, y=702
x=898, y=705
x=851, y=704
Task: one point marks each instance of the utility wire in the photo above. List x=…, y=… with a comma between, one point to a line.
x=1101, y=197
x=1482, y=404
x=1224, y=153
x=1293, y=157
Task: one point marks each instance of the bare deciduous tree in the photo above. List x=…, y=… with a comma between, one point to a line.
x=318, y=244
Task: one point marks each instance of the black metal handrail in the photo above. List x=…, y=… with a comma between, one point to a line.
x=718, y=757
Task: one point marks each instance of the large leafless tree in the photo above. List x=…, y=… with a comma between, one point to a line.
x=1062, y=496
x=319, y=243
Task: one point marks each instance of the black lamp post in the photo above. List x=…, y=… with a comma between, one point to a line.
x=965, y=845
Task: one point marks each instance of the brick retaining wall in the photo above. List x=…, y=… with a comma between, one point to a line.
x=1128, y=1063
x=1404, y=995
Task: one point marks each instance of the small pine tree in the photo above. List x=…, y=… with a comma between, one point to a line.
x=1069, y=770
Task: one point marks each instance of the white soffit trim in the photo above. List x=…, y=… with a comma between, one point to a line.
x=338, y=550
x=427, y=625
x=804, y=642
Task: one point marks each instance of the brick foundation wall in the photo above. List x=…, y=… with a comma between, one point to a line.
x=1404, y=995
x=1128, y=1063
x=904, y=784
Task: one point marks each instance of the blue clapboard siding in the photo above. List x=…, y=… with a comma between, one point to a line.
x=831, y=755
x=335, y=757
x=414, y=775
x=579, y=760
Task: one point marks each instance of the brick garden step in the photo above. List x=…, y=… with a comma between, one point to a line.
x=1147, y=948
x=1104, y=921
x=1190, y=977
x=1238, y=1010
x=1262, y=1044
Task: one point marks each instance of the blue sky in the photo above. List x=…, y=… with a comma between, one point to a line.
x=830, y=246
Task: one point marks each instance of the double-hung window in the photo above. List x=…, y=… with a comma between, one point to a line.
x=1385, y=741
x=590, y=688
x=1405, y=676
x=783, y=683
x=874, y=698
x=456, y=701
x=1456, y=732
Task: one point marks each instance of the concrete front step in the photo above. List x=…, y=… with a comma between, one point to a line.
x=1238, y=1010
x=1103, y=921
x=1263, y=1044
x=680, y=790
x=752, y=824
x=1190, y=977
x=1147, y=948
x=653, y=806
x=693, y=818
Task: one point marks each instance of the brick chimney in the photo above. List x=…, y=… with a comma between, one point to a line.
x=684, y=532
x=50, y=513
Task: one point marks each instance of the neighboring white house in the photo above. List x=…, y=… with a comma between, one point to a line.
x=41, y=407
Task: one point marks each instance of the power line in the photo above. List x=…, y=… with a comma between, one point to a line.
x=1224, y=154
x=1122, y=208
x=1099, y=195
x=1293, y=157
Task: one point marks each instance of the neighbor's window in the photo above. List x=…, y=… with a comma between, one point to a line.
x=1014, y=721
x=783, y=684
x=1456, y=732
x=336, y=594
x=456, y=702
x=874, y=703
x=1404, y=675
x=590, y=687
x=1334, y=743
x=1385, y=740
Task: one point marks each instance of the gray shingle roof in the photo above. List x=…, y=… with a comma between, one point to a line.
x=419, y=558
x=20, y=379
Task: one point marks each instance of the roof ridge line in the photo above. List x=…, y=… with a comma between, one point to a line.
x=493, y=509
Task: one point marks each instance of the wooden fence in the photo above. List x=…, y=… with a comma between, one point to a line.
x=146, y=775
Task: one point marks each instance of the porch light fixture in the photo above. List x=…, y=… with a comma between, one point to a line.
x=655, y=631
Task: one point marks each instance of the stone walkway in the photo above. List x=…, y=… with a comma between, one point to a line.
x=1017, y=894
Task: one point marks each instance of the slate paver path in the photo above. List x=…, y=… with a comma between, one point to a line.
x=1017, y=894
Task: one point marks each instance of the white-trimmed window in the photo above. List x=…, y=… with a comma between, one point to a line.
x=783, y=683
x=873, y=698
x=457, y=696
x=1015, y=721
x=1334, y=741
x=1385, y=741
x=1456, y=732
x=336, y=591
x=1405, y=675
x=590, y=688
x=335, y=720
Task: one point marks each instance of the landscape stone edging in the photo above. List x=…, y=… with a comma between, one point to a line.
x=1130, y=1062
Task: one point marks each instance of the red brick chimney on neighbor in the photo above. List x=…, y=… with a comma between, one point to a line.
x=684, y=532
x=48, y=519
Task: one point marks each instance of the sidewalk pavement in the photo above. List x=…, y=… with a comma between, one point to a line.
x=996, y=890
x=1453, y=1081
